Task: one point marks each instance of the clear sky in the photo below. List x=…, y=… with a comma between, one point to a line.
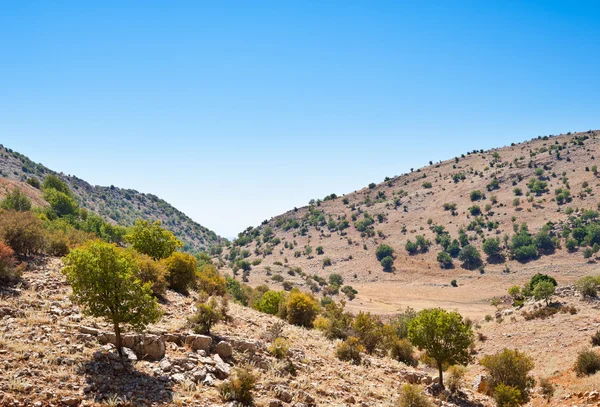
x=238, y=111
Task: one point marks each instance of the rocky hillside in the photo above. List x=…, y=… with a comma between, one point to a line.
x=547, y=183
x=121, y=206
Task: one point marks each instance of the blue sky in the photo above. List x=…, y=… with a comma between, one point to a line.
x=237, y=111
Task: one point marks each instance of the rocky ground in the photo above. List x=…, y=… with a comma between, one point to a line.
x=51, y=355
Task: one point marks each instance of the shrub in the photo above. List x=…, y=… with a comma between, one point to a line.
x=326, y=262
x=412, y=396
x=543, y=290
x=9, y=271
x=34, y=182
x=588, y=363
x=383, y=250
x=475, y=210
x=445, y=260
x=491, y=247
x=150, y=271
x=270, y=301
x=510, y=368
x=403, y=351
x=350, y=350
x=387, y=263
x=239, y=388
x=208, y=314
x=209, y=280
x=22, y=231
x=546, y=388
x=53, y=182
x=596, y=339
x=470, y=257
x=455, y=377
x=181, y=271
x=16, y=200
x=62, y=204
x=151, y=239
x=427, y=185
x=507, y=396
x=368, y=330
x=319, y=250
x=476, y=195
x=279, y=348
x=301, y=308
x=104, y=281
x=587, y=286
x=411, y=247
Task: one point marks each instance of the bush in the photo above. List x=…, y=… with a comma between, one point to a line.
x=596, y=339
x=181, y=271
x=387, y=263
x=150, y=271
x=491, y=247
x=587, y=286
x=510, y=368
x=543, y=290
x=546, y=388
x=455, y=377
x=62, y=204
x=209, y=280
x=239, y=388
x=476, y=195
x=279, y=348
x=16, y=200
x=368, y=330
x=53, y=182
x=383, y=250
x=301, y=308
x=9, y=271
x=403, y=351
x=151, y=239
x=326, y=262
x=207, y=315
x=445, y=260
x=507, y=396
x=588, y=363
x=470, y=257
x=270, y=302
x=412, y=396
x=350, y=350
x=411, y=247
x=22, y=231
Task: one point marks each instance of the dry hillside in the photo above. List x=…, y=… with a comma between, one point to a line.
x=403, y=207
x=116, y=205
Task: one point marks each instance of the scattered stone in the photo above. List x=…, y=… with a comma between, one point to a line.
x=198, y=342
x=223, y=349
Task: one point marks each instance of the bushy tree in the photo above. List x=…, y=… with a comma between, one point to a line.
x=445, y=260
x=22, y=231
x=387, y=263
x=62, y=204
x=209, y=280
x=588, y=286
x=181, y=271
x=105, y=284
x=383, y=250
x=53, y=182
x=492, y=248
x=153, y=272
x=368, y=330
x=270, y=301
x=152, y=239
x=537, y=278
x=16, y=200
x=301, y=308
x=543, y=290
x=470, y=257
x=443, y=335
x=510, y=368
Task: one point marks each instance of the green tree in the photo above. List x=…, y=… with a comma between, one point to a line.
x=16, y=200
x=445, y=260
x=443, y=335
x=53, y=182
x=510, y=368
x=383, y=250
x=104, y=282
x=387, y=263
x=491, y=247
x=543, y=290
x=181, y=271
x=62, y=204
x=152, y=239
x=470, y=257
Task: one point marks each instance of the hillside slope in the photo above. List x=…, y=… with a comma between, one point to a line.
x=349, y=229
x=121, y=206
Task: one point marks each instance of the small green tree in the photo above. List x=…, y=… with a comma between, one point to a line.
x=16, y=200
x=543, y=290
x=470, y=257
x=510, y=368
x=387, y=263
x=53, y=182
x=383, y=250
x=104, y=282
x=152, y=239
x=443, y=335
x=492, y=248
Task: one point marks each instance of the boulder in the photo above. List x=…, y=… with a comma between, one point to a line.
x=198, y=342
x=223, y=349
x=283, y=394
x=150, y=347
x=222, y=369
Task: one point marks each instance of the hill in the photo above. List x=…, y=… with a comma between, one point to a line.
x=117, y=205
x=548, y=183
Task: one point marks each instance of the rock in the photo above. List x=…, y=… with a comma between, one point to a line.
x=209, y=380
x=165, y=365
x=304, y=397
x=198, y=375
x=150, y=347
x=283, y=394
x=178, y=378
x=275, y=403
x=481, y=384
x=178, y=339
x=242, y=345
x=71, y=401
x=198, y=342
x=222, y=369
x=223, y=349
x=89, y=331
x=129, y=354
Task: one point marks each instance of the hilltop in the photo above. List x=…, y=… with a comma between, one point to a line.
x=547, y=183
x=115, y=205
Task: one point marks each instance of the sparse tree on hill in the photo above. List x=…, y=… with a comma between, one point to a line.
x=104, y=282
x=152, y=239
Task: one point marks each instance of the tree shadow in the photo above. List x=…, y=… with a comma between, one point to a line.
x=497, y=259
x=109, y=378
